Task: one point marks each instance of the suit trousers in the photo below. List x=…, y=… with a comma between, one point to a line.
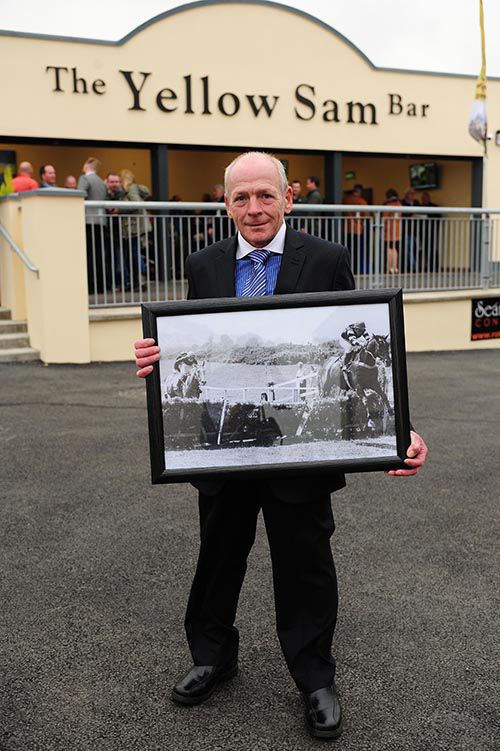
x=304, y=578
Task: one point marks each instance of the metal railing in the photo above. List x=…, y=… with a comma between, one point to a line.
x=17, y=250
x=136, y=251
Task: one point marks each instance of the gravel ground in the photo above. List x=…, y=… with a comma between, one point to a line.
x=96, y=565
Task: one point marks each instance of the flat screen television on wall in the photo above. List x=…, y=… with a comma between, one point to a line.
x=424, y=176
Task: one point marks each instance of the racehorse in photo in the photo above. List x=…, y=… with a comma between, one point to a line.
x=364, y=373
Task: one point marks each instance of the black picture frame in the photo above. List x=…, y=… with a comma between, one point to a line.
x=203, y=458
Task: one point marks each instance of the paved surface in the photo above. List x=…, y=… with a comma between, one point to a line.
x=96, y=564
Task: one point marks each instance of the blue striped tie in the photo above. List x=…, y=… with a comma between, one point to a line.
x=257, y=283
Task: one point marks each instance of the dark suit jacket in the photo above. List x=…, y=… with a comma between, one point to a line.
x=309, y=264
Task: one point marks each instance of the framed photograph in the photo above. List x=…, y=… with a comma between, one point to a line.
x=272, y=385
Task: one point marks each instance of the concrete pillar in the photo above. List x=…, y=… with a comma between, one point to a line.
x=159, y=171
x=476, y=198
x=53, y=227
x=333, y=177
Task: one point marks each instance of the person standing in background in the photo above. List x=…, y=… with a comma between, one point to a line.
x=297, y=198
x=392, y=231
x=429, y=235
x=70, y=182
x=24, y=179
x=313, y=193
x=214, y=228
x=48, y=176
x=356, y=230
x=114, y=192
x=313, y=196
x=410, y=238
x=135, y=229
x=98, y=263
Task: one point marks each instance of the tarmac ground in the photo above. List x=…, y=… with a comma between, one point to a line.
x=96, y=565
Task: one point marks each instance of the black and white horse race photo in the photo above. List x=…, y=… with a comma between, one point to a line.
x=309, y=384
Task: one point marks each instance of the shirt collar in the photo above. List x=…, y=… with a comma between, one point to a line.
x=277, y=244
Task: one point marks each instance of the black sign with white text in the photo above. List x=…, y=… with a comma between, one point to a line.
x=485, y=318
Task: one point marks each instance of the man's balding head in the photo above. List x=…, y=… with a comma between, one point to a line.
x=26, y=168
x=258, y=159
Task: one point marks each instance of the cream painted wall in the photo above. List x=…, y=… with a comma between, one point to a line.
x=257, y=62
x=428, y=315
x=57, y=299
x=12, y=287
x=112, y=339
x=166, y=50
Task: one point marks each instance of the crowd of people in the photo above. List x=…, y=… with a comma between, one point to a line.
x=116, y=247
x=410, y=240
x=114, y=253
x=47, y=175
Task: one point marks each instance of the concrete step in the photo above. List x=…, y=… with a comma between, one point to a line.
x=5, y=313
x=14, y=341
x=19, y=354
x=11, y=327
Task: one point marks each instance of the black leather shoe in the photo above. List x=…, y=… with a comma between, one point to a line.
x=201, y=682
x=323, y=713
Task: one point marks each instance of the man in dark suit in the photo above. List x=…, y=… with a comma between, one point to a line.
x=266, y=257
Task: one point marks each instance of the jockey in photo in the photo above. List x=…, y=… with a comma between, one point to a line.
x=353, y=338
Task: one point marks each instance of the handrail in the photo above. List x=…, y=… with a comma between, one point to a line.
x=172, y=206
x=17, y=250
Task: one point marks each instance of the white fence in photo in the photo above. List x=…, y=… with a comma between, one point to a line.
x=288, y=392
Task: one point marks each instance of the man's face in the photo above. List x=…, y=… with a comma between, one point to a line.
x=310, y=185
x=296, y=189
x=49, y=175
x=255, y=200
x=70, y=182
x=113, y=183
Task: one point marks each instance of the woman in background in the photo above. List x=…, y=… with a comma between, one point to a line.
x=392, y=231
x=135, y=229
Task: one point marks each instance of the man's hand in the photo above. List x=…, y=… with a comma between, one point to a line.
x=146, y=354
x=417, y=452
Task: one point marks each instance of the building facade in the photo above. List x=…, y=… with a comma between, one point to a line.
x=178, y=97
